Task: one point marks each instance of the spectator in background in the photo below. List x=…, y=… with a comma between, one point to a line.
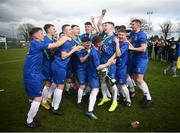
x=150, y=48
x=172, y=60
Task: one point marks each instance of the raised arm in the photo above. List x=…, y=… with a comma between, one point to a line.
x=118, y=51
x=99, y=23
x=94, y=24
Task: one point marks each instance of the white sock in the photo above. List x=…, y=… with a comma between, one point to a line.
x=80, y=94
x=122, y=92
x=57, y=98
x=145, y=90
x=118, y=92
x=92, y=100
x=130, y=83
x=32, y=111
x=104, y=90
x=45, y=94
x=51, y=90
x=87, y=90
x=133, y=82
x=53, y=100
x=126, y=92
x=108, y=93
x=114, y=93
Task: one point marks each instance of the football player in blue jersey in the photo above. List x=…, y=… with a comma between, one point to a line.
x=108, y=51
x=82, y=67
x=94, y=66
x=60, y=66
x=33, y=76
x=72, y=65
x=47, y=72
x=122, y=46
x=140, y=58
x=88, y=31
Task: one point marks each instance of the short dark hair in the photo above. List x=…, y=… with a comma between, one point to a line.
x=97, y=39
x=64, y=26
x=34, y=30
x=88, y=23
x=110, y=23
x=116, y=27
x=122, y=30
x=47, y=26
x=85, y=39
x=137, y=21
x=122, y=27
x=72, y=26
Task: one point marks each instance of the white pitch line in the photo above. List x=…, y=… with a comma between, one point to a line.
x=11, y=61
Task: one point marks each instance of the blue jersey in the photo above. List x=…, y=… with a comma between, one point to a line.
x=66, y=47
x=49, y=55
x=34, y=60
x=93, y=63
x=121, y=69
x=122, y=60
x=139, y=59
x=90, y=36
x=72, y=65
x=81, y=54
x=102, y=34
x=81, y=67
x=33, y=66
x=138, y=38
x=108, y=48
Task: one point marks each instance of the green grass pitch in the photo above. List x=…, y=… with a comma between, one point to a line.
x=163, y=115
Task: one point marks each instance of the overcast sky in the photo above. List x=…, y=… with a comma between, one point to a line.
x=59, y=12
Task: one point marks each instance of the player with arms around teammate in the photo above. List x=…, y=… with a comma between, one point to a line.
x=33, y=76
x=47, y=72
x=59, y=67
x=94, y=66
x=72, y=65
x=82, y=67
x=140, y=58
x=122, y=47
x=108, y=51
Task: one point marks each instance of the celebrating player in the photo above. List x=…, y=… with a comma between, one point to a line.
x=33, y=76
x=140, y=58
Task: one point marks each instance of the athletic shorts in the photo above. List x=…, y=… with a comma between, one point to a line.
x=59, y=74
x=139, y=66
x=33, y=87
x=121, y=75
x=82, y=77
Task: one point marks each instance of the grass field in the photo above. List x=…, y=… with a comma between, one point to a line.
x=163, y=115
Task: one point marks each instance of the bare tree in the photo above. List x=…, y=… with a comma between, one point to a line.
x=166, y=28
x=24, y=30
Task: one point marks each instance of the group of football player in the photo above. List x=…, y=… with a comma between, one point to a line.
x=102, y=59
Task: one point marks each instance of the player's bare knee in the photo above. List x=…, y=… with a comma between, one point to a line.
x=38, y=99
